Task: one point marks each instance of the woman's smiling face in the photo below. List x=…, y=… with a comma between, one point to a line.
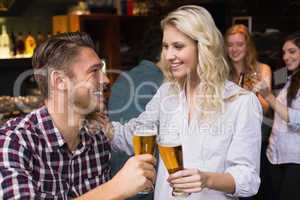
x=236, y=47
x=179, y=51
x=291, y=55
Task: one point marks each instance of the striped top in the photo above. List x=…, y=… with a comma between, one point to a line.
x=36, y=163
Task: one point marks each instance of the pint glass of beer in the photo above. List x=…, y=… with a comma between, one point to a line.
x=144, y=142
x=170, y=151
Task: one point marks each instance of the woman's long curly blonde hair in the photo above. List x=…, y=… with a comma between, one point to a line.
x=251, y=55
x=212, y=70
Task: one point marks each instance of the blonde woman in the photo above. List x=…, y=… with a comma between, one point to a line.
x=245, y=67
x=221, y=147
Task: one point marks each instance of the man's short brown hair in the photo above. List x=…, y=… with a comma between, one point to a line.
x=57, y=53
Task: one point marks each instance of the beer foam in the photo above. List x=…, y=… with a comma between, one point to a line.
x=168, y=144
x=145, y=133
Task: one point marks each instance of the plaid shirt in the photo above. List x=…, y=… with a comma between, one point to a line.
x=35, y=162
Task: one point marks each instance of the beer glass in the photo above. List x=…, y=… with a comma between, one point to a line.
x=170, y=151
x=250, y=79
x=144, y=142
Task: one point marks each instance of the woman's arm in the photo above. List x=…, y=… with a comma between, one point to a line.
x=194, y=180
x=288, y=114
x=241, y=175
x=266, y=75
x=121, y=135
x=278, y=107
x=265, y=91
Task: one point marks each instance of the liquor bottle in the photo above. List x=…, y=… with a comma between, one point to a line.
x=20, y=44
x=49, y=35
x=129, y=7
x=241, y=79
x=13, y=46
x=4, y=43
x=40, y=38
x=30, y=44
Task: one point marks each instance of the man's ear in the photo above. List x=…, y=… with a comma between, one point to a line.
x=58, y=81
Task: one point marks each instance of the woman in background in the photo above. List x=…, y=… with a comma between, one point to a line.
x=245, y=71
x=244, y=66
x=284, y=150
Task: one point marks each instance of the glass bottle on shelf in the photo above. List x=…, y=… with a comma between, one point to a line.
x=20, y=45
x=4, y=43
x=49, y=35
x=241, y=79
x=40, y=38
x=30, y=45
x=13, y=46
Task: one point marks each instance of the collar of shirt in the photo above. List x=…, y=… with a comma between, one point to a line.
x=232, y=90
x=53, y=136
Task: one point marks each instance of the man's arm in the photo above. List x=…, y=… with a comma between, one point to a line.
x=15, y=179
x=137, y=174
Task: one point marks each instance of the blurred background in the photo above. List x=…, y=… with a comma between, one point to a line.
x=116, y=27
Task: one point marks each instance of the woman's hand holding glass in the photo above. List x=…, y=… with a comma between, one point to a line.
x=188, y=180
x=170, y=150
x=262, y=88
x=250, y=80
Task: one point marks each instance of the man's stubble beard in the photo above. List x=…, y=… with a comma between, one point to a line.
x=85, y=104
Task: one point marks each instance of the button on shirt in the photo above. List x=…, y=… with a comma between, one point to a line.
x=230, y=143
x=285, y=138
x=35, y=162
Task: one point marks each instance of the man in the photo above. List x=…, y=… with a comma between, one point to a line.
x=51, y=153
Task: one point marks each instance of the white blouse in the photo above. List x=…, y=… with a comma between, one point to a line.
x=285, y=138
x=231, y=143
